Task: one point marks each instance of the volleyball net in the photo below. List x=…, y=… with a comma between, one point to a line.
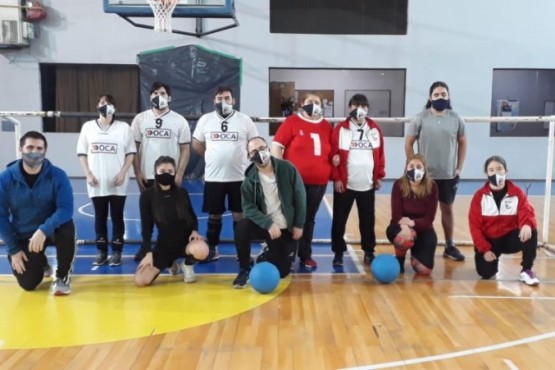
x=543, y=212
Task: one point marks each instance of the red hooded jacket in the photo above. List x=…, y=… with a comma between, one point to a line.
x=488, y=222
x=340, y=143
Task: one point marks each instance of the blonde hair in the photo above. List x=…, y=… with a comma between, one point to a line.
x=424, y=187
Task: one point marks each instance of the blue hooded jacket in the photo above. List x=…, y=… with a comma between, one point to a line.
x=46, y=206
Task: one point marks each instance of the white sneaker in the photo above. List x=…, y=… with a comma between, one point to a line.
x=188, y=273
x=529, y=278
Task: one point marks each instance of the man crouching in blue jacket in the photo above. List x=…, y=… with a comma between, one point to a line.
x=36, y=210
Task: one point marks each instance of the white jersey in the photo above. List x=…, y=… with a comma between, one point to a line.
x=106, y=151
x=360, y=163
x=226, y=145
x=159, y=135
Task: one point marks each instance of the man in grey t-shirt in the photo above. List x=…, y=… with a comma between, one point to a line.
x=440, y=134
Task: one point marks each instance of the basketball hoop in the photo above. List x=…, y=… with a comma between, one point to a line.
x=162, y=10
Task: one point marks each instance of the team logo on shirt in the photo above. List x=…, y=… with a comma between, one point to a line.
x=224, y=136
x=360, y=145
x=158, y=133
x=105, y=148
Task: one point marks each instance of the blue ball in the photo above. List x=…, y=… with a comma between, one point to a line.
x=385, y=268
x=264, y=277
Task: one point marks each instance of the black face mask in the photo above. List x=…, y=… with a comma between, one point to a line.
x=261, y=158
x=496, y=179
x=159, y=102
x=223, y=109
x=312, y=109
x=440, y=104
x=106, y=110
x=165, y=178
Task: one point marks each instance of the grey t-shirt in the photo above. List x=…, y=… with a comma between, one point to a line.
x=437, y=138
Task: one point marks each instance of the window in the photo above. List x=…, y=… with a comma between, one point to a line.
x=335, y=17
x=522, y=92
x=76, y=87
x=384, y=88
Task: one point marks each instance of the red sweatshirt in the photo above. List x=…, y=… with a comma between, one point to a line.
x=421, y=210
x=486, y=221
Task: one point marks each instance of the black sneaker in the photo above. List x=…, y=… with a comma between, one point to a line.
x=368, y=258
x=115, y=259
x=337, y=260
x=101, y=258
x=242, y=279
x=453, y=252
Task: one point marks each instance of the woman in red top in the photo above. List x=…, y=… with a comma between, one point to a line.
x=502, y=220
x=304, y=140
x=414, y=200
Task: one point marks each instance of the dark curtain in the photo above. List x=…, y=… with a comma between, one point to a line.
x=79, y=86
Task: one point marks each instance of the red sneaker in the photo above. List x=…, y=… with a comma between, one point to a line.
x=310, y=263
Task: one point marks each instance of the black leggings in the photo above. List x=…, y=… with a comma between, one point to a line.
x=115, y=203
x=64, y=241
x=509, y=243
x=424, y=247
x=314, y=195
x=342, y=205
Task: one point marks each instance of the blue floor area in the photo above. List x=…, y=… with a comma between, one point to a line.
x=84, y=221
x=227, y=264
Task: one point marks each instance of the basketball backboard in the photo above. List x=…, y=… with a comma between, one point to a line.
x=198, y=9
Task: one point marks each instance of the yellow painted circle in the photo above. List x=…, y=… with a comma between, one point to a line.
x=110, y=308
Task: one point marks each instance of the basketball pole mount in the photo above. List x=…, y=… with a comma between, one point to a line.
x=199, y=29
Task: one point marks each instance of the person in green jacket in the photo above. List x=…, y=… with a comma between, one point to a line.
x=274, y=209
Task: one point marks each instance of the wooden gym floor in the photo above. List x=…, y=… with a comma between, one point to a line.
x=451, y=320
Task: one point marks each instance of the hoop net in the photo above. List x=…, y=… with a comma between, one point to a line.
x=162, y=10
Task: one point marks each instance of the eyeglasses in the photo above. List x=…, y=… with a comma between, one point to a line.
x=253, y=152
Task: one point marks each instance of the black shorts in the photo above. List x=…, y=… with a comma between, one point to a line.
x=447, y=190
x=163, y=258
x=215, y=194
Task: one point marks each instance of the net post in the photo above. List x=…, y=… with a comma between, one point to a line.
x=17, y=134
x=548, y=178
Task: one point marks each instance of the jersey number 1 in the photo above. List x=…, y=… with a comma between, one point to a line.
x=317, y=145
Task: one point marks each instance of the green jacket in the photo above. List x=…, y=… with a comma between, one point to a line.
x=291, y=193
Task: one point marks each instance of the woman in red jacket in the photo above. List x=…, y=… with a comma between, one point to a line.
x=502, y=221
x=414, y=200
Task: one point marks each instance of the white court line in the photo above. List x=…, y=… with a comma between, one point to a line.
x=87, y=194
x=82, y=211
x=533, y=298
x=445, y=356
x=510, y=364
x=352, y=252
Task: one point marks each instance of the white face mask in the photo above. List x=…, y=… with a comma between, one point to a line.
x=358, y=113
x=312, y=109
x=159, y=102
x=223, y=108
x=106, y=110
x=415, y=175
x=497, y=179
